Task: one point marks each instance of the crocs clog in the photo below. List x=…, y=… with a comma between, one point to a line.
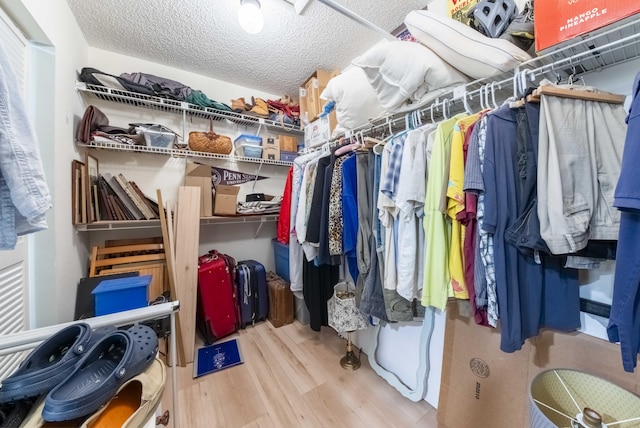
x=112, y=361
x=51, y=362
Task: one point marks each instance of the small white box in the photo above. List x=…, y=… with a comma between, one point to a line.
x=317, y=132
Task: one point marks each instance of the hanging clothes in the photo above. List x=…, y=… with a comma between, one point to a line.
x=295, y=248
x=349, y=198
x=456, y=206
x=284, y=219
x=410, y=204
x=529, y=296
x=24, y=194
x=583, y=155
x=624, y=321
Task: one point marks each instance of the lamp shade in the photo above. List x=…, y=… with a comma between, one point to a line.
x=568, y=398
x=250, y=16
x=343, y=312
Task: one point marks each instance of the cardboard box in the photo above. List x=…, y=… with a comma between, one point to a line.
x=556, y=21
x=319, y=131
x=288, y=143
x=484, y=387
x=271, y=149
x=310, y=103
x=200, y=176
x=226, y=200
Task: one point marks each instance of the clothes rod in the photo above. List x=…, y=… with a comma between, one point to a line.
x=357, y=18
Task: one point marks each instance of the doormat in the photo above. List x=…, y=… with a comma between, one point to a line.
x=216, y=357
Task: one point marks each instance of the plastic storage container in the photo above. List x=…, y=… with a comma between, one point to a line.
x=250, y=145
x=281, y=256
x=122, y=294
x=158, y=136
x=251, y=151
x=248, y=140
x=288, y=156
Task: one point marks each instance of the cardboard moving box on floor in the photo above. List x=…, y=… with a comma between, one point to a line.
x=226, y=200
x=200, y=176
x=484, y=387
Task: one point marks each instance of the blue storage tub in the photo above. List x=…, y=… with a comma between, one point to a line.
x=251, y=151
x=281, y=255
x=248, y=140
x=288, y=156
x=122, y=294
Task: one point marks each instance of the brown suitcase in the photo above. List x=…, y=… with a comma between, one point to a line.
x=280, y=300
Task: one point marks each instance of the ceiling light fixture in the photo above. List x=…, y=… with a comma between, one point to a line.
x=250, y=16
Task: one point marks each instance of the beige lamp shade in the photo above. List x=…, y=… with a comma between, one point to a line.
x=569, y=398
x=342, y=310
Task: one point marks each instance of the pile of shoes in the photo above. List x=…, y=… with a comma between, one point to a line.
x=285, y=110
x=83, y=377
x=258, y=107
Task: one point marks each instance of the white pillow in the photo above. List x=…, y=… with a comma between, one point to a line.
x=471, y=52
x=406, y=75
x=355, y=99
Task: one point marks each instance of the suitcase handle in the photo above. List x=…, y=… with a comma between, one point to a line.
x=207, y=258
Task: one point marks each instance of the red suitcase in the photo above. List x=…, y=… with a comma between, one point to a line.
x=217, y=311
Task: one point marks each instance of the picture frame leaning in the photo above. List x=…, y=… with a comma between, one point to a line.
x=92, y=170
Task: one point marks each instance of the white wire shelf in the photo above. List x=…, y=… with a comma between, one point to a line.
x=598, y=50
x=180, y=107
x=178, y=153
x=155, y=223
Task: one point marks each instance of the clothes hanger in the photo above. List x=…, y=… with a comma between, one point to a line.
x=445, y=108
x=465, y=102
x=384, y=140
x=482, y=104
x=487, y=101
x=519, y=88
x=432, y=120
x=346, y=148
x=493, y=95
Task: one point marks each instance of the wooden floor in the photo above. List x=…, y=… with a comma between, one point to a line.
x=291, y=377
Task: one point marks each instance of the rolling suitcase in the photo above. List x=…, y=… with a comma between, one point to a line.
x=217, y=315
x=253, y=296
x=280, y=300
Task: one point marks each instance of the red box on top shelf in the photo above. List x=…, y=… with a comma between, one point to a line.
x=557, y=21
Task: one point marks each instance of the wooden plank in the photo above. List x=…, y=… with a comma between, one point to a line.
x=603, y=97
x=128, y=259
x=170, y=256
x=131, y=248
x=172, y=234
x=132, y=241
x=186, y=267
x=94, y=257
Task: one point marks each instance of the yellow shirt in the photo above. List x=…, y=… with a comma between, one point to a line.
x=455, y=205
x=436, y=227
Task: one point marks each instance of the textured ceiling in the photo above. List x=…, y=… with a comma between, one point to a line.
x=203, y=36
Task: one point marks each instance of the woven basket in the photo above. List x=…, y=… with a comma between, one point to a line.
x=210, y=142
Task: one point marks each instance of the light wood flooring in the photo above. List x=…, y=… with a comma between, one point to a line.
x=291, y=377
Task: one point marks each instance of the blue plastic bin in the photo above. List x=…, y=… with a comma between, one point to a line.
x=281, y=255
x=246, y=139
x=251, y=151
x=288, y=156
x=122, y=294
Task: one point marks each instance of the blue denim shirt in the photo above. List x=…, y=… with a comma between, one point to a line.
x=24, y=194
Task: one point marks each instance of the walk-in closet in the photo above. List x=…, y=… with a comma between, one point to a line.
x=318, y=213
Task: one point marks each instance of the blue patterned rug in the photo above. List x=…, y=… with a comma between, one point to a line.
x=216, y=357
